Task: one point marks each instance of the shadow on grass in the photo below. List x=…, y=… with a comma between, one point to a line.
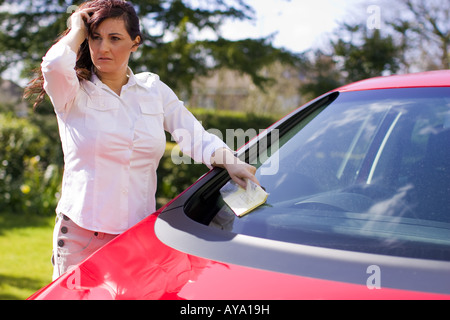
x=17, y=220
x=20, y=283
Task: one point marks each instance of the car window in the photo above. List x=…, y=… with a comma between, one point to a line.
x=369, y=172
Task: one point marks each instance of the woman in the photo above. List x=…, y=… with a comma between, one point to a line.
x=112, y=124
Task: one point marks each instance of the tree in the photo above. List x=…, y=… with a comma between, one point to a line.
x=29, y=28
x=410, y=36
x=365, y=53
x=356, y=53
x=322, y=74
x=423, y=26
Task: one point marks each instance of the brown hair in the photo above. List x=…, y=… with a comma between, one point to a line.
x=104, y=9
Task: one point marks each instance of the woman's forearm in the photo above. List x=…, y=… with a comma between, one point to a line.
x=73, y=39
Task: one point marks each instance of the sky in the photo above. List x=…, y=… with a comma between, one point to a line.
x=300, y=24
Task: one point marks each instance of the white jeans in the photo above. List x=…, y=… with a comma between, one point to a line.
x=72, y=244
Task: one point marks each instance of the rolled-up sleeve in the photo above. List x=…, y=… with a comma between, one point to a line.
x=60, y=79
x=187, y=131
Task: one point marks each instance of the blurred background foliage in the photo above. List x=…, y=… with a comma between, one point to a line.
x=30, y=167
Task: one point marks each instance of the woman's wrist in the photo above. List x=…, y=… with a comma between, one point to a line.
x=223, y=157
x=74, y=39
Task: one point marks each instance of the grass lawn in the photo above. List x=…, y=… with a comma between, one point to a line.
x=25, y=252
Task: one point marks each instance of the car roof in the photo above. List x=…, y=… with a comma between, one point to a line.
x=440, y=78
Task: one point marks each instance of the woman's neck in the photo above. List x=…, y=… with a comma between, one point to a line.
x=114, y=81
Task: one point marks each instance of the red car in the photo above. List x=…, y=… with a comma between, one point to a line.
x=358, y=208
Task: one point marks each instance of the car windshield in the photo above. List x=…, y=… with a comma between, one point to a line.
x=368, y=172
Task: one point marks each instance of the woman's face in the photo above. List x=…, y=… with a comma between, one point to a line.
x=110, y=46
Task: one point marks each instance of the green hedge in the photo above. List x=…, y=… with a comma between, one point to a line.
x=31, y=160
x=29, y=177
x=235, y=122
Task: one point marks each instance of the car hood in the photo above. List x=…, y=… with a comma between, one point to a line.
x=136, y=265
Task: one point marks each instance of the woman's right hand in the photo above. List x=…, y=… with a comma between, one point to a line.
x=78, y=32
x=77, y=22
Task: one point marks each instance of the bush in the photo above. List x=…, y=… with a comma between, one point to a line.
x=174, y=178
x=29, y=182
x=243, y=126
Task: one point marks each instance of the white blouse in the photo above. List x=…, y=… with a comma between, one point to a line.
x=113, y=144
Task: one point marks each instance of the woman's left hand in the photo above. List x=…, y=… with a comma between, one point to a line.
x=238, y=170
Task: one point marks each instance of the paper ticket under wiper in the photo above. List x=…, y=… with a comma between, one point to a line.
x=243, y=201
